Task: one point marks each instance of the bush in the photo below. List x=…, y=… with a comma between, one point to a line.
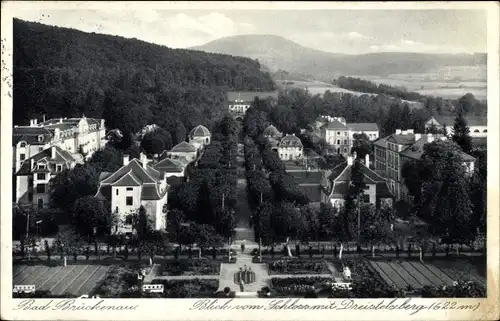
x=460, y=289
x=191, y=267
x=196, y=288
x=300, y=286
x=297, y=266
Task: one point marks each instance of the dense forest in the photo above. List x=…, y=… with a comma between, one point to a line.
x=475, y=107
x=64, y=72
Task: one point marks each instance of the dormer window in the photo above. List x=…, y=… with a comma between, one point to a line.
x=40, y=138
x=41, y=166
x=22, y=144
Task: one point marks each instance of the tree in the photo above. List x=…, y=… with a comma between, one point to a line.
x=393, y=119
x=406, y=122
x=461, y=133
x=445, y=200
x=153, y=143
x=375, y=225
x=264, y=224
x=361, y=145
x=92, y=216
x=179, y=133
x=68, y=242
x=71, y=184
x=142, y=225
x=229, y=126
x=412, y=178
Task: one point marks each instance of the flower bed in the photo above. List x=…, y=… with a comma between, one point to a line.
x=297, y=266
x=300, y=286
x=191, y=267
x=196, y=288
x=119, y=280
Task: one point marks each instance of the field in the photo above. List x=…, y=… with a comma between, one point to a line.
x=73, y=279
x=405, y=273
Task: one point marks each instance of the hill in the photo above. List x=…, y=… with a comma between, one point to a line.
x=64, y=72
x=280, y=53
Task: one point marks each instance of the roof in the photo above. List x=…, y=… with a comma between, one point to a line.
x=290, y=140
x=335, y=124
x=381, y=142
x=307, y=177
x=407, y=139
x=133, y=174
x=199, y=131
x=250, y=95
x=272, y=131
x=30, y=135
x=169, y=165
x=183, y=147
x=310, y=153
x=471, y=120
x=175, y=181
x=363, y=126
x=416, y=150
x=62, y=157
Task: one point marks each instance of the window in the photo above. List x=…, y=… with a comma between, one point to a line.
x=338, y=141
x=40, y=176
x=128, y=219
x=345, y=142
x=338, y=151
x=30, y=196
x=41, y=166
x=40, y=149
x=59, y=168
x=117, y=191
x=485, y=131
x=116, y=209
x=23, y=144
x=40, y=188
x=338, y=133
x=130, y=189
x=476, y=131
x=22, y=157
x=40, y=138
x=40, y=203
x=129, y=201
x=345, y=150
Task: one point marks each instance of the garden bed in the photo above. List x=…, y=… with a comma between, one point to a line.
x=196, y=266
x=301, y=286
x=120, y=280
x=196, y=288
x=296, y=266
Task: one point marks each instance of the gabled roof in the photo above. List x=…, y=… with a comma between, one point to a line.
x=407, y=139
x=30, y=135
x=133, y=174
x=199, y=131
x=272, y=131
x=335, y=124
x=249, y=96
x=306, y=177
x=290, y=140
x=381, y=142
x=62, y=157
x=183, y=147
x=169, y=165
x=416, y=150
x=363, y=126
x=471, y=120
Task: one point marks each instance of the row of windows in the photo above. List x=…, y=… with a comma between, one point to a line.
x=129, y=189
x=477, y=131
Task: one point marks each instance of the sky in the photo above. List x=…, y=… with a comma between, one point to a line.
x=339, y=31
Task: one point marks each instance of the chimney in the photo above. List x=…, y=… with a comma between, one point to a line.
x=410, y=131
x=398, y=131
x=367, y=160
x=43, y=117
x=144, y=160
x=125, y=160
x=417, y=137
x=53, y=152
x=32, y=163
x=60, y=120
x=349, y=160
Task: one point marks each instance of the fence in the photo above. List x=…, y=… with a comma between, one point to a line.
x=23, y=289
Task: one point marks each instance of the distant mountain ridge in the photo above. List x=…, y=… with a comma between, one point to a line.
x=277, y=53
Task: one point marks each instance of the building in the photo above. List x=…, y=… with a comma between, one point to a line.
x=271, y=132
x=290, y=148
x=370, y=129
x=393, y=151
x=239, y=102
x=336, y=185
x=308, y=178
x=73, y=135
x=339, y=134
x=134, y=185
x=35, y=173
x=28, y=141
x=171, y=167
x=184, y=149
x=477, y=124
x=199, y=136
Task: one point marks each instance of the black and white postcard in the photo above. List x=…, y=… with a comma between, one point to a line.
x=250, y=160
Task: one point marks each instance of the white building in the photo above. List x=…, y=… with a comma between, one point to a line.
x=477, y=124
x=134, y=185
x=199, y=136
x=290, y=148
x=184, y=149
x=240, y=101
x=35, y=173
x=271, y=132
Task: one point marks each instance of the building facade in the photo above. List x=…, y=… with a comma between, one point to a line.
x=199, y=136
x=184, y=149
x=290, y=148
x=477, y=124
x=239, y=102
x=134, y=185
x=34, y=176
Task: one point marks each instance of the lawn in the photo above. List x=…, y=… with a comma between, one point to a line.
x=72, y=280
x=201, y=266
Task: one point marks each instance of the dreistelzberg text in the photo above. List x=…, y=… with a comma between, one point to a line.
x=72, y=305
x=346, y=304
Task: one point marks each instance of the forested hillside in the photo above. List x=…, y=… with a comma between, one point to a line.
x=63, y=72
